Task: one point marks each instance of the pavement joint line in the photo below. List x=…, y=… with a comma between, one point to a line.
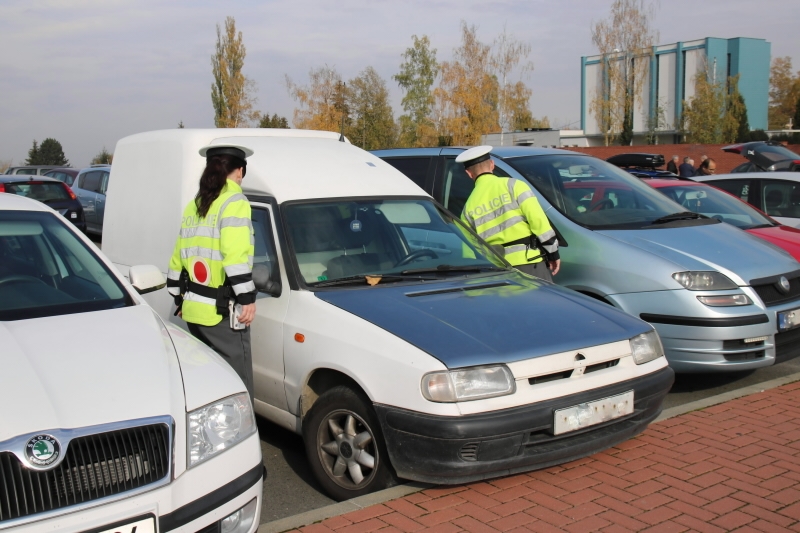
x=337, y=509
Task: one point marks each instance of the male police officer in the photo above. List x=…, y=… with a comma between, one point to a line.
x=505, y=211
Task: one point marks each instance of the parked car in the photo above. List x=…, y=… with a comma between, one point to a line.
x=49, y=191
x=390, y=336
x=35, y=170
x=90, y=186
x=642, y=165
x=708, y=289
x=775, y=193
x=716, y=203
x=66, y=175
x=764, y=156
x=113, y=419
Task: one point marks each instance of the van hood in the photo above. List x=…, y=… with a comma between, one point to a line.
x=488, y=319
x=84, y=369
x=722, y=247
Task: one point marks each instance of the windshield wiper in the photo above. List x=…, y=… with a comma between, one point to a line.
x=361, y=279
x=684, y=215
x=453, y=268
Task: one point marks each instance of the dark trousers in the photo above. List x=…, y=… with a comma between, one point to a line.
x=232, y=345
x=540, y=270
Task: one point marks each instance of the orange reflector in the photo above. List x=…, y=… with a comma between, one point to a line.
x=299, y=337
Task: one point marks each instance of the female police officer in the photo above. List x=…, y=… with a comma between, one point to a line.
x=210, y=272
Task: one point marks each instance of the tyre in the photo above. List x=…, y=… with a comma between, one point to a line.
x=345, y=446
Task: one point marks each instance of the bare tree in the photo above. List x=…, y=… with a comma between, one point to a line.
x=232, y=91
x=509, y=54
x=625, y=42
x=5, y=164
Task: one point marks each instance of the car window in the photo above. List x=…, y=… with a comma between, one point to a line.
x=92, y=181
x=46, y=270
x=415, y=168
x=103, y=183
x=738, y=188
x=780, y=198
x=715, y=203
x=43, y=192
x=596, y=194
x=340, y=239
x=26, y=171
x=458, y=185
x=744, y=167
x=264, y=242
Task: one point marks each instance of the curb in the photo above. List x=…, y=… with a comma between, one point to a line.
x=382, y=496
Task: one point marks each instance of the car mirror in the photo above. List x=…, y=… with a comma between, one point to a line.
x=146, y=278
x=262, y=274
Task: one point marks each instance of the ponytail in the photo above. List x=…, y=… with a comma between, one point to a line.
x=213, y=179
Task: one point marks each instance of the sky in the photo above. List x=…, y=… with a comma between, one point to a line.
x=90, y=72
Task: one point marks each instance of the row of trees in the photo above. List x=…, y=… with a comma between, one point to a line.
x=784, y=95
x=453, y=102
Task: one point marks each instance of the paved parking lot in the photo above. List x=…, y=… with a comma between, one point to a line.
x=734, y=466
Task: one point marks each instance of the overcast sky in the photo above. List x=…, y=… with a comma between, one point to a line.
x=89, y=72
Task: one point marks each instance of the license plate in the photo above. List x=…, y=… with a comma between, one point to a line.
x=146, y=525
x=591, y=413
x=788, y=319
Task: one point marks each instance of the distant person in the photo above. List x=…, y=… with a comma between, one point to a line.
x=686, y=170
x=672, y=166
x=707, y=168
x=702, y=158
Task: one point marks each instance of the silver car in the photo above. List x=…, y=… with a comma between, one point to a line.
x=721, y=299
x=90, y=187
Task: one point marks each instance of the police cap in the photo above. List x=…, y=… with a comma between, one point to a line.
x=473, y=156
x=240, y=152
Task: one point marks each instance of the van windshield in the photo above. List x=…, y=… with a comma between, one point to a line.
x=393, y=239
x=598, y=195
x=46, y=270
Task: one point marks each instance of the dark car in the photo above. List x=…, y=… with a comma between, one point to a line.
x=66, y=175
x=50, y=191
x=642, y=165
x=764, y=156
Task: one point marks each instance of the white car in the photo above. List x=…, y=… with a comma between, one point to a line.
x=113, y=420
x=387, y=333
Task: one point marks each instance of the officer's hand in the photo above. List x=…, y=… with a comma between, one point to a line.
x=554, y=266
x=248, y=314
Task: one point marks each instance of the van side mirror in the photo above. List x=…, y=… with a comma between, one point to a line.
x=146, y=278
x=261, y=278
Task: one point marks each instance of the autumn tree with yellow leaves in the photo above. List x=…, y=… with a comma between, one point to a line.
x=232, y=91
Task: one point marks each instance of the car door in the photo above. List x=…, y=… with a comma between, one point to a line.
x=86, y=191
x=267, y=330
x=100, y=200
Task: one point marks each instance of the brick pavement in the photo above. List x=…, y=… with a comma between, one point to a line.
x=731, y=467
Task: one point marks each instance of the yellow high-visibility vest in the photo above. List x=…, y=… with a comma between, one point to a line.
x=212, y=249
x=504, y=210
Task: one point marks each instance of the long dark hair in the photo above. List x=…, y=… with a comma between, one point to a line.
x=213, y=179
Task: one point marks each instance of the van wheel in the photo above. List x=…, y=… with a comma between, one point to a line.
x=345, y=446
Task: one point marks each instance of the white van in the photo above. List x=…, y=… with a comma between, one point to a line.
x=387, y=334
x=113, y=421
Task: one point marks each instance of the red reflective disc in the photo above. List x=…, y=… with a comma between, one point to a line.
x=200, y=272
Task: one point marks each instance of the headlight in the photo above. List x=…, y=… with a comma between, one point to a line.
x=646, y=347
x=217, y=427
x=729, y=300
x=468, y=384
x=704, y=281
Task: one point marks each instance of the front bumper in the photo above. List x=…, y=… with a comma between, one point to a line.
x=198, y=499
x=451, y=450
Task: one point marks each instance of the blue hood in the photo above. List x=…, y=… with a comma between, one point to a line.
x=488, y=319
x=722, y=247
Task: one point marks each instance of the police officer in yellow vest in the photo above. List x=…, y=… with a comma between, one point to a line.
x=210, y=272
x=505, y=211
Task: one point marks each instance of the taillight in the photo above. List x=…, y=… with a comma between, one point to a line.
x=69, y=191
x=2, y=187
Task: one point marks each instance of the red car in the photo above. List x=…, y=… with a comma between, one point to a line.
x=712, y=202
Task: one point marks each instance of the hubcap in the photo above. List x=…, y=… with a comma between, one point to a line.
x=347, y=449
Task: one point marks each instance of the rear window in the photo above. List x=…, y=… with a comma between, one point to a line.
x=43, y=192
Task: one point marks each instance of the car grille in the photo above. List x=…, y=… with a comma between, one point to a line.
x=787, y=345
x=95, y=466
x=768, y=289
